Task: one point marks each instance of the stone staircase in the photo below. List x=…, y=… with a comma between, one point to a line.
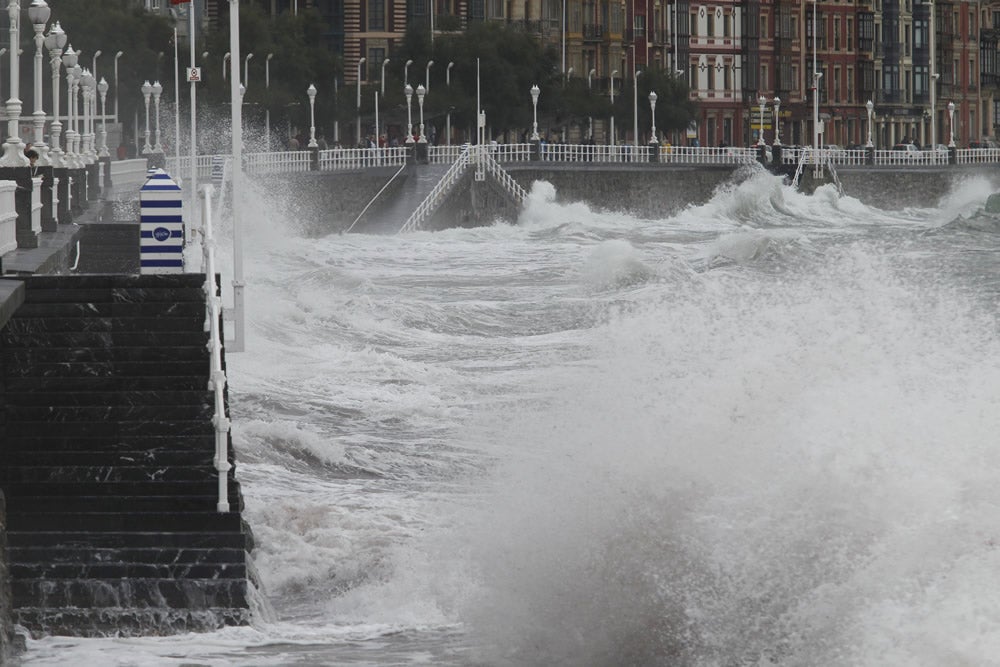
x=106, y=460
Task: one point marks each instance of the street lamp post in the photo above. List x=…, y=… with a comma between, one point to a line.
x=267, y=104
x=427, y=76
x=384, y=63
x=777, y=120
x=39, y=13
x=762, y=101
x=933, y=75
x=54, y=42
x=611, y=138
x=408, y=92
x=102, y=88
x=447, y=122
x=590, y=118
x=311, y=91
x=246, y=70
x=406, y=72
x=358, y=142
x=869, y=106
x=225, y=61
x=421, y=91
x=147, y=90
x=817, y=170
x=534, y=105
x=117, y=56
x=13, y=155
x=635, y=112
x=652, y=110
x=69, y=59
x=951, y=124
x=88, y=86
x=157, y=91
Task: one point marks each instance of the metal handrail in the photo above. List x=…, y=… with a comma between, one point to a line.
x=217, y=376
x=506, y=180
x=377, y=195
x=432, y=200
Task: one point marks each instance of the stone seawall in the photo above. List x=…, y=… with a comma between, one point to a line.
x=328, y=202
x=6, y=613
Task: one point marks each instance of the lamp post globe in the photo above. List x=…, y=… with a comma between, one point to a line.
x=421, y=91
x=358, y=135
x=408, y=92
x=777, y=120
x=652, y=114
x=311, y=92
x=534, y=104
x=147, y=90
x=157, y=91
x=102, y=88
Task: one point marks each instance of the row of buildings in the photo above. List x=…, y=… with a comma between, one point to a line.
x=910, y=58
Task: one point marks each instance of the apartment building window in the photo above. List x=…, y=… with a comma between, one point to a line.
x=836, y=84
x=972, y=25
x=711, y=25
x=376, y=14
x=375, y=58
x=639, y=24
x=494, y=9
x=920, y=34
x=729, y=77
x=850, y=84
x=575, y=16
x=694, y=24
x=849, y=35
x=836, y=33
x=763, y=27
x=727, y=25
x=795, y=27
x=907, y=40
x=973, y=75
x=764, y=84
x=552, y=14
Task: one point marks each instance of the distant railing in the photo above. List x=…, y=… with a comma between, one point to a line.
x=8, y=217
x=129, y=175
x=436, y=195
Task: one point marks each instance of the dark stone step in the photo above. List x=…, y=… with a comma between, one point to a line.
x=111, y=369
x=114, y=503
x=127, y=622
x=127, y=570
x=168, y=383
x=95, y=339
x=126, y=540
x=110, y=414
x=123, y=309
x=122, y=490
x=105, y=398
x=109, y=522
x=130, y=593
x=115, y=295
x=36, y=355
x=114, y=280
x=20, y=326
x=109, y=443
x=124, y=428
x=149, y=457
x=89, y=554
x=107, y=473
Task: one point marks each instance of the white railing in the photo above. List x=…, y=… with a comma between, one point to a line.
x=128, y=175
x=444, y=154
x=508, y=183
x=36, y=205
x=375, y=198
x=284, y=162
x=217, y=376
x=361, y=158
x=8, y=217
x=977, y=155
x=433, y=199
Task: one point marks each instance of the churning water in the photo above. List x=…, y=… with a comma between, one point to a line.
x=760, y=432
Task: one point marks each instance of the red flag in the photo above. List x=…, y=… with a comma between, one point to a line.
x=178, y=2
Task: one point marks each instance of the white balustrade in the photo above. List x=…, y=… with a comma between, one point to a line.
x=8, y=217
x=36, y=204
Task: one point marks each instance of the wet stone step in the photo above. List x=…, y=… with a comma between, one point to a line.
x=123, y=428
x=135, y=593
x=124, y=457
x=93, y=339
x=109, y=473
x=41, y=355
x=114, y=281
x=127, y=622
x=114, y=295
x=114, y=309
x=115, y=504
x=114, y=442
x=109, y=398
x=122, y=490
x=167, y=383
x=126, y=570
x=114, y=413
x=170, y=368
x=207, y=521
x=36, y=325
x=89, y=554
x=127, y=540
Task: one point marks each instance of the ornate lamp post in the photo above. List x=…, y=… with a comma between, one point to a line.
x=147, y=90
x=408, y=92
x=246, y=70
x=427, y=76
x=951, y=124
x=611, y=139
x=406, y=72
x=869, y=106
x=311, y=91
x=13, y=155
x=652, y=111
x=117, y=56
x=69, y=60
x=447, y=119
x=590, y=119
x=102, y=88
x=77, y=75
x=762, y=101
x=777, y=120
x=382, y=80
x=421, y=91
x=534, y=105
x=54, y=42
x=87, y=85
x=39, y=13
x=358, y=142
x=157, y=91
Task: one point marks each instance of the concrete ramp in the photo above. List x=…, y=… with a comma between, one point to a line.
x=394, y=204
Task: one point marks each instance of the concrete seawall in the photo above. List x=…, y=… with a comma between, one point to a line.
x=328, y=202
x=6, y=613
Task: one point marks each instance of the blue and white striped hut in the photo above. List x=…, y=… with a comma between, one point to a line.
x=161, y=233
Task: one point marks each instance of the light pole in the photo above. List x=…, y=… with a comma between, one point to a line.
x=93, y=63
x=447, y=122
x=612, y=87
x=157, y=90
x=777, y=120
x=408, y=92
x=427, y=76
x=39, y=13
x=358, y=142
x=54, y=42
x=267, y=104
x=406, y=72
x=87, y=85
x=762, y=101
x=311, y=92
x=534, y=105
x=102, y=88
x=384, y=63
x=934, y=75
x=69, y=59
x=421, y=91
x=817, y=171
x=246, y=70
x=13, y=155
x=590, y=119
x=147, y=90
x=117, y=56
x=635, y=110
x=951, y=124
x=225, y=61
x=652, y=111
x=869, y=106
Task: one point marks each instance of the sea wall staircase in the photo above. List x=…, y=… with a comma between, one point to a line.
x=106, y=459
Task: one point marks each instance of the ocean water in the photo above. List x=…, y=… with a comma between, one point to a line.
x=760, y=432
